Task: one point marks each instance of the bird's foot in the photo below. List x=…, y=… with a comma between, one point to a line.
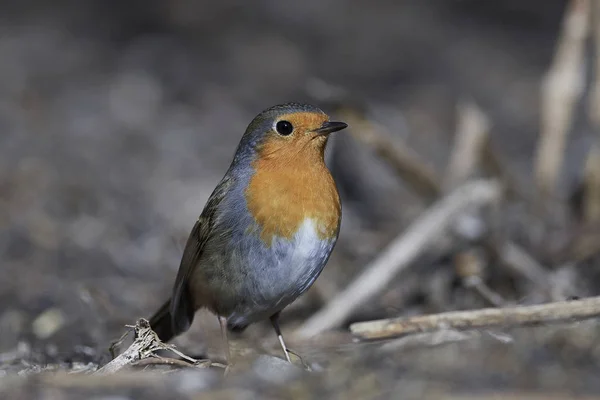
x=289, y=351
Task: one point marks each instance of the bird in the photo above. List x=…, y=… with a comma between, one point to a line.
x=266, y=231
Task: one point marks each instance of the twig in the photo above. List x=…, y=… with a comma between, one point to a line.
x=561, y=89
x=145, y=344
x=400, y=253
x=406, y=163
x=471, y=135
x=169, y=361
x=575, y=310
x=477, y=284
x=519, y=261
x=591, y=199
x=469, y=267
x=594, y=99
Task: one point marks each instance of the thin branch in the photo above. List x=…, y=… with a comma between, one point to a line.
x=146, y=343
x=594, y=99
x=591, y=198
x=489, y=295
x=561, y=311
x=400, y=254
x=471, y=134
x=169, y=361
x=469, y=266
x=515, y=258
x=561, y=90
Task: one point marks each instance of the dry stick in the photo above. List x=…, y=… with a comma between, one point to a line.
x=587, y=244
x=145, y=344
x=471, y=135
x=594, y=100
x=166, y=361
x=406, y=163
x=562, y=87
x=485, y=291
x=518, y=260
x=144, y=339
x=400, y=253
x=575, y=310
x=591, y=200
x=469, y=267
x=591, y=205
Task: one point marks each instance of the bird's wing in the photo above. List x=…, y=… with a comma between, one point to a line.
x=182, y=307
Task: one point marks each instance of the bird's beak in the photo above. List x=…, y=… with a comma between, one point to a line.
x=330, y=127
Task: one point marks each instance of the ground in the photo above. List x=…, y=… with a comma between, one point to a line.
x=119, y=119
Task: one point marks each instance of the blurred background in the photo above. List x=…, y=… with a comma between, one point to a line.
x=118, y=118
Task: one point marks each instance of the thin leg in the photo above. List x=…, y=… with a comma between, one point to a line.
x=275, y=322
x=223, y=323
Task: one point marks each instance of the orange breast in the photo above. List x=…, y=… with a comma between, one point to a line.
x=292, y=183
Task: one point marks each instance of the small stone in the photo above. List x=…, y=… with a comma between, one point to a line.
x=48, y=323
x=275, y=370
x=194, y=380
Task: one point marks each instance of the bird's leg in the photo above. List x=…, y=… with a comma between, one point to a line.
x=223, y=324
x=275, y=322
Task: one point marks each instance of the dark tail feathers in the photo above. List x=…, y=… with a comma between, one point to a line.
x=167, y=327
x=162, y=322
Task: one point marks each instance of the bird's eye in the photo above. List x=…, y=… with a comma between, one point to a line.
x=284, y=128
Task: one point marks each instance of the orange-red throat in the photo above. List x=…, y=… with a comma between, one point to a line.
x=291, y=182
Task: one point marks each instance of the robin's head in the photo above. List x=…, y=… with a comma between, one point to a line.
x=288, y=131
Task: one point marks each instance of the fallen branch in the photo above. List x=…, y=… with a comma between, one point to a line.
x=400, y=254
x=575, y=310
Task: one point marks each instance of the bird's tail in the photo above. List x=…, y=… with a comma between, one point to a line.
x=162, y=322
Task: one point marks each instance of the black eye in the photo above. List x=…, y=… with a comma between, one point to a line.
x=284, y=128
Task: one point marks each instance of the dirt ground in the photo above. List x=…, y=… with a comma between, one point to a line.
x=118, y=119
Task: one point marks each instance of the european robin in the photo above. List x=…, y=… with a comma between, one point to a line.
x=266, y=231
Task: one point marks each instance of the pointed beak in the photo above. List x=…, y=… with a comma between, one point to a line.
x=330, y=127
